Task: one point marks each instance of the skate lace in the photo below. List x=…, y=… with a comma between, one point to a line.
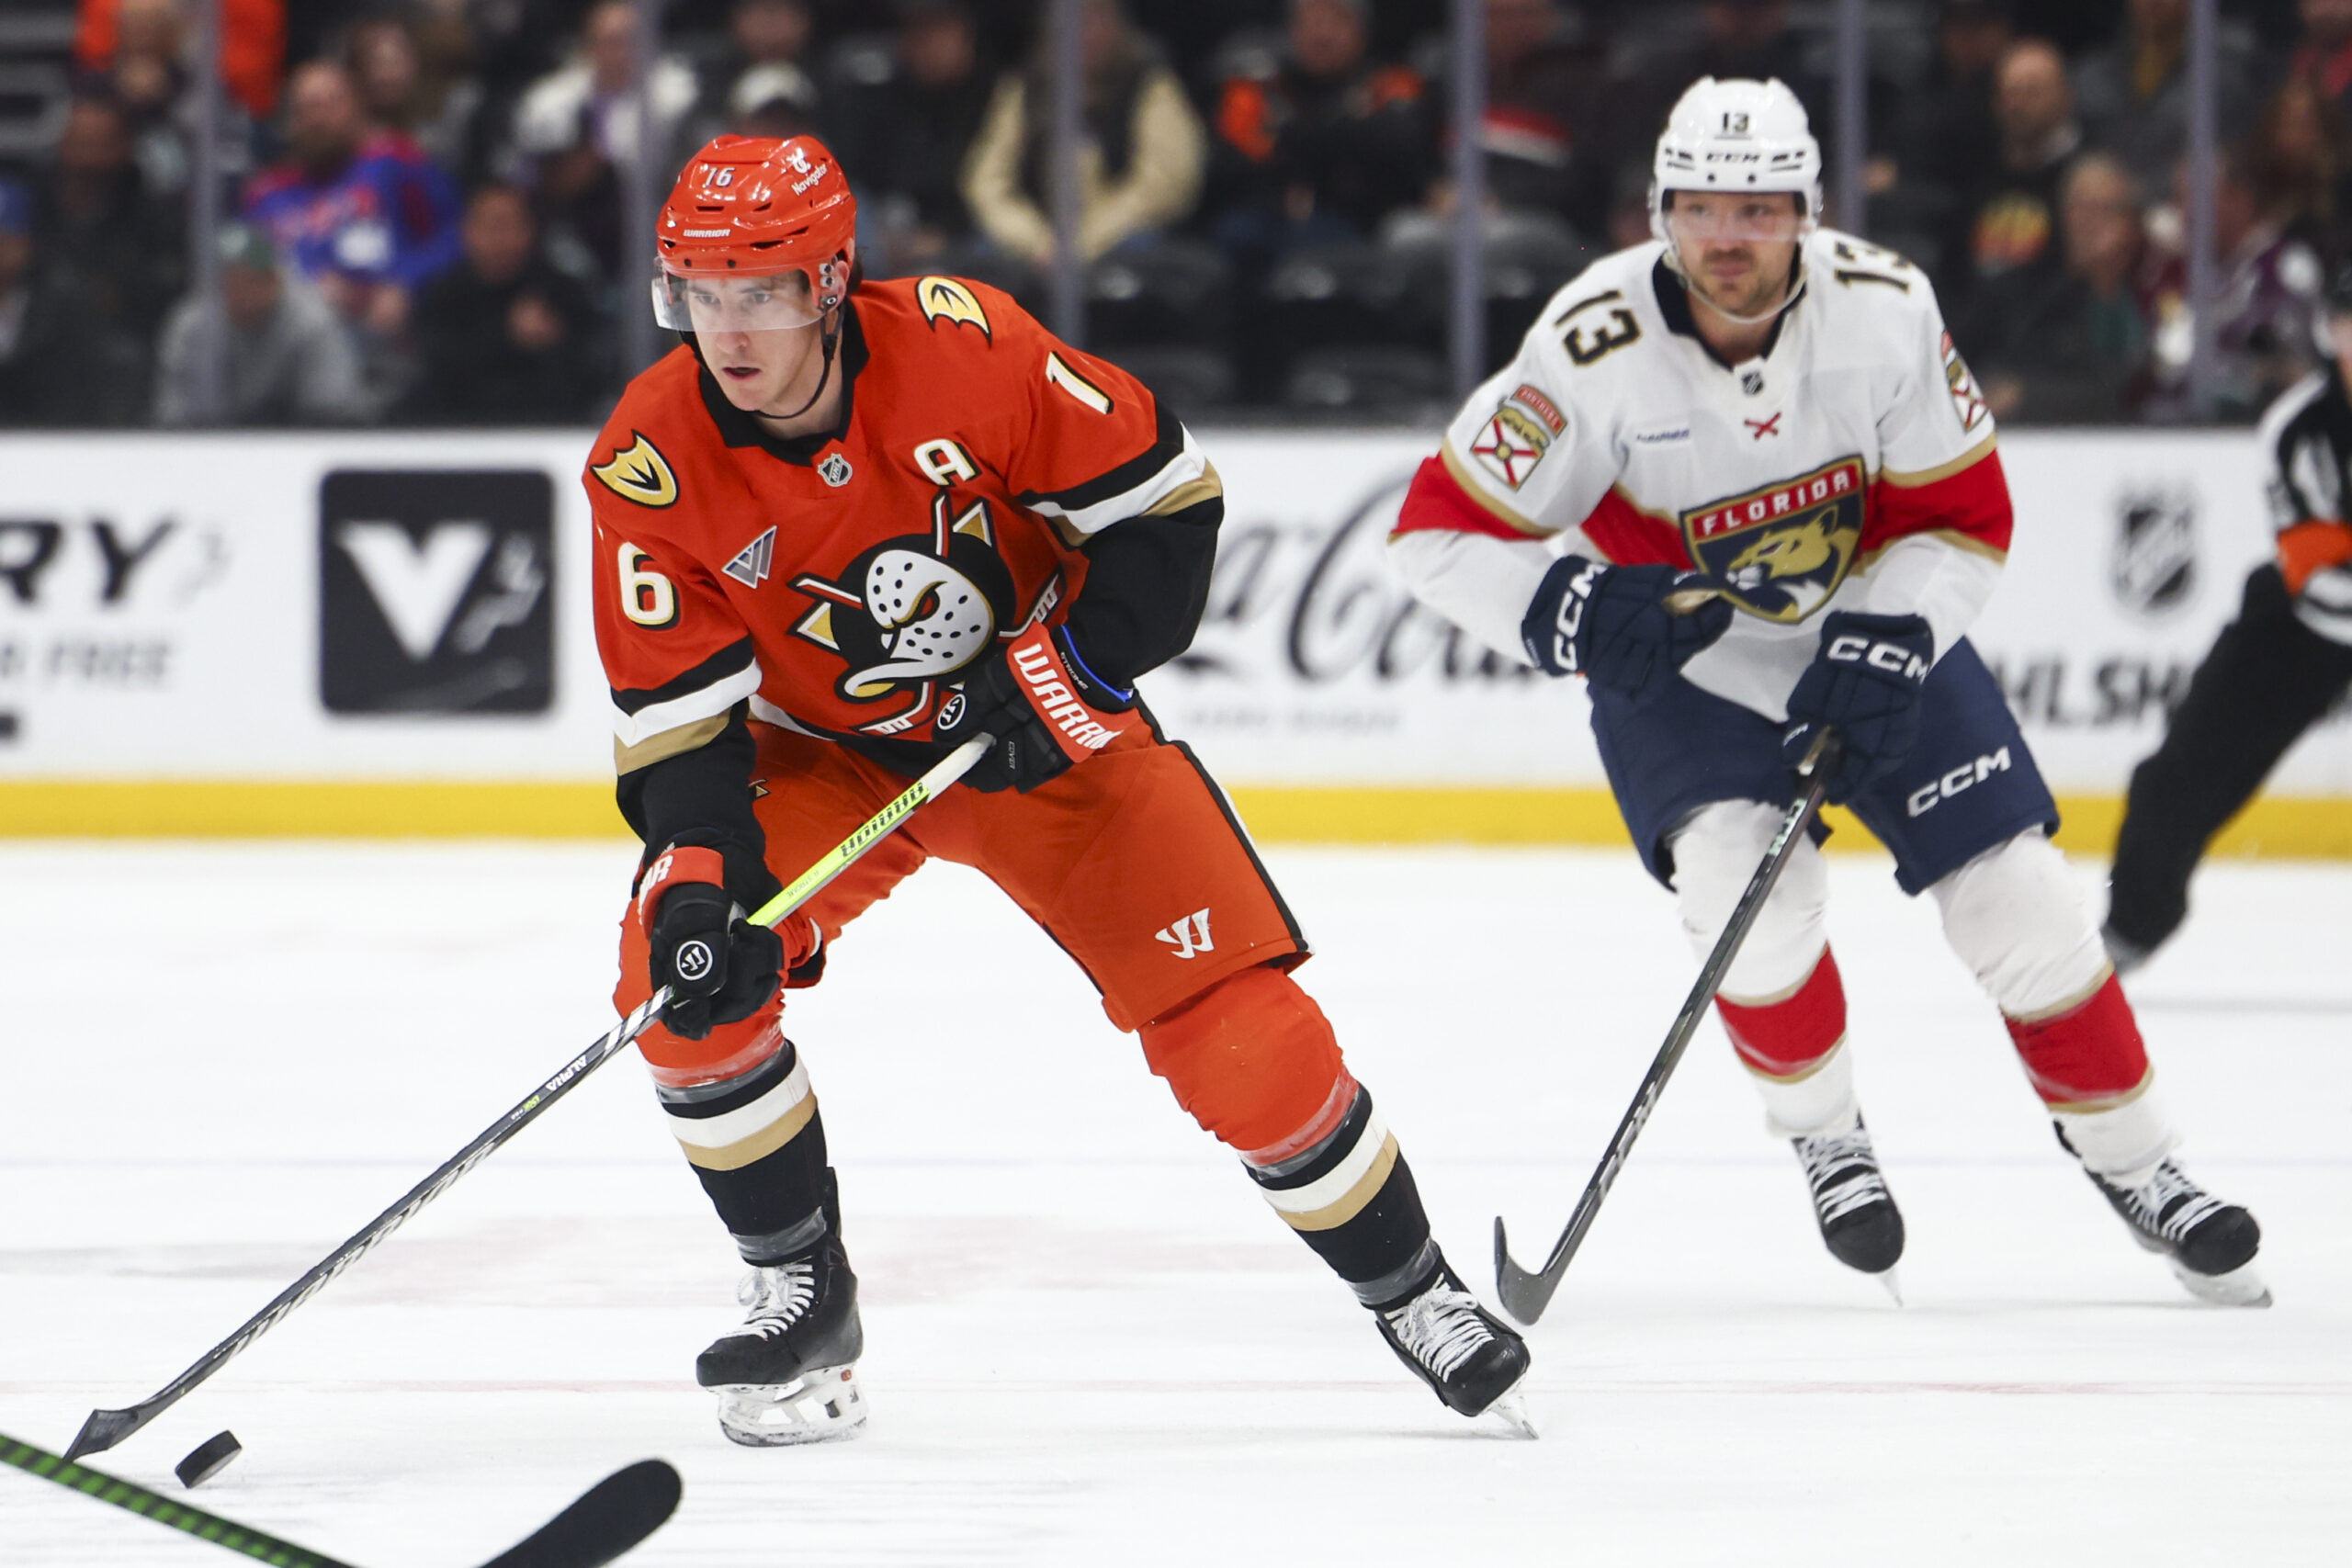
x=1843, y=1171
x=2170, y=1205
x=1441, y=1328
x=778, y=1296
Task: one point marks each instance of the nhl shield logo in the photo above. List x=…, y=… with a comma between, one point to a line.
x=834, y=471
x=2153, y=566
x=1784, y=548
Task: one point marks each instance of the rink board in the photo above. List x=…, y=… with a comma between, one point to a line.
x=381, y=634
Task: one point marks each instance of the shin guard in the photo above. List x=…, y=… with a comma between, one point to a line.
x=757, y=1144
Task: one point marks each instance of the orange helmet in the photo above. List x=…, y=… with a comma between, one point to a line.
x=752, y=208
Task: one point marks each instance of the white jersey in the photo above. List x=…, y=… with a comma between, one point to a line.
x=1850, y=466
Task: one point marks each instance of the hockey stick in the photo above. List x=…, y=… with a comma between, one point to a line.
x=105, y=1428
x=1526, y=1293
x=604, y=1521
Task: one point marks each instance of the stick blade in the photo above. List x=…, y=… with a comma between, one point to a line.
x=609, y=1518
x=104, y=1429
x=1524, y=1293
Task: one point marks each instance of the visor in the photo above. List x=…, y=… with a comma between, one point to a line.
x=1723, y=217
x=732, y=302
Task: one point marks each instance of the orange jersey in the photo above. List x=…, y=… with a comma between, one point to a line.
x=843, y=585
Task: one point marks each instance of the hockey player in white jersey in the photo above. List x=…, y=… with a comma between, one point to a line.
x=1762, y=407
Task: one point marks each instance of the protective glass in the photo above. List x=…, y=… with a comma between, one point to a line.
x=764, y=302
x=1696, y=216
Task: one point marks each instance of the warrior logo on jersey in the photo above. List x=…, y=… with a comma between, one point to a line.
x=639, y=474
x=911, y=613
x=1785, y=547
x=944, y=299
x=1965, y=398
x=1517, y=435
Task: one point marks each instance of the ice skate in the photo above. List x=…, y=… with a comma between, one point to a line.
x=2210, y=1244
x=1860, y=1224
x=789, y=1375
x=1471, y=1360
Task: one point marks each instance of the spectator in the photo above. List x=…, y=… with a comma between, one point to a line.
x=905, y=134
x=2008, y=216
x=429, y=101
x=503, y=337
x=139, y=43
x=769, y=41
x=59, y=363
x=588, y=105
x=1538, y=87
x=2301, y=158
x=363, y=215
x=2064, y=339
x=1947, y=124
x=2134, y=95
x=123, y=242
x=1141, y=155
x=2323, y=54
x=287, y=357
x=135, y=51
x=2267, y=306
x=1323, y=148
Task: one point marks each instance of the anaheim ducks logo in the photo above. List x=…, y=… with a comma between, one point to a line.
x=945, y=299
x=639, y=474
x=911, y=613
x=1785, y=548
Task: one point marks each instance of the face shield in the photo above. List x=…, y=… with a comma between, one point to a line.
x=1697, y=218
x=715, y=303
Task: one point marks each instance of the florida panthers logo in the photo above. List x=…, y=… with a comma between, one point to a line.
x=1785, y=548
x=912, y=612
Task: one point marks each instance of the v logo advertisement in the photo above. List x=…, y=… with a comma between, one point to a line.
x=418, y=586
x=434, y=591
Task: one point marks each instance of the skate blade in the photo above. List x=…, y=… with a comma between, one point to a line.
x=2241, y=1287
x=824, y=1405
x=1893, y=1286
x=1510, y=1408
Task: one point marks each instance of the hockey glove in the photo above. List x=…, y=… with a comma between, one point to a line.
x=1615, y=625
x=1045, y=707
x=1864, y=685
x=720, y=968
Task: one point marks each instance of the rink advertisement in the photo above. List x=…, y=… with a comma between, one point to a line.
x=271, y=620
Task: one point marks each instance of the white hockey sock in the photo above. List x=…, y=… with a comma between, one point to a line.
x=1821, y=1101
x=2123, y=1142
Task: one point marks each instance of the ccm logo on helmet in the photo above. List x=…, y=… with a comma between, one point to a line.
x=1966, y=776
x=1891, y=657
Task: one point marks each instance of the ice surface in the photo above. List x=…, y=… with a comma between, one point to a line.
x=1090, y=1342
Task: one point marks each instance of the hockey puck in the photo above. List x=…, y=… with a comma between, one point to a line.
x=208, y=1459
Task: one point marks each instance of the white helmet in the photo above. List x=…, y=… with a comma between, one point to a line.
x=1737, y=135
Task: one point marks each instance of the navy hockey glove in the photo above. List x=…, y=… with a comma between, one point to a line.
x=719, y=967
x=1046, y=708
x=1614, y=624
x=1864, y=685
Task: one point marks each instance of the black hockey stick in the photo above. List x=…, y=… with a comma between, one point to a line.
x=105, y=1428
x=607, y=1520
x=1526, y=1293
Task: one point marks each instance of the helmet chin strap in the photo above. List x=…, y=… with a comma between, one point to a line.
x=832, y=337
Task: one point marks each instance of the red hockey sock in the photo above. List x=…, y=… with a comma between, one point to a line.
x=2087, y=1056
x=1786, y=1039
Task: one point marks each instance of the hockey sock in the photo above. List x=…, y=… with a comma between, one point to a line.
x=2089, y=1067
x=1343, y=1185
x=1255, y=1062
x=757, y=1144
x=1793, y=1046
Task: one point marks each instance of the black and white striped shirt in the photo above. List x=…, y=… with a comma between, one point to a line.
x=2307, y=436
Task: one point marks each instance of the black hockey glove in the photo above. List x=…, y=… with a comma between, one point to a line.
x=1046, y=708
x=719, y=967
x=1864, y=685
x=1614, y=623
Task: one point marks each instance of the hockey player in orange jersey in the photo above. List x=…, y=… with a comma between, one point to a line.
x=847, y=526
